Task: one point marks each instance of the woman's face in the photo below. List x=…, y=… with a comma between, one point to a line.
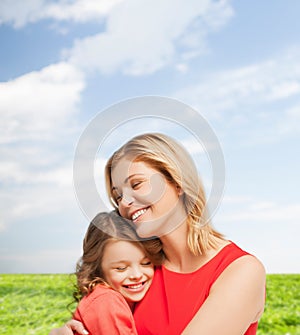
x=145, y=196
x=127, y=269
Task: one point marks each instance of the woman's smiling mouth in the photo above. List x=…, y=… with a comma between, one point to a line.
x=138, y=213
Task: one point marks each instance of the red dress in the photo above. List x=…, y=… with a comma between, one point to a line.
x=105, y=312
x=174, y=298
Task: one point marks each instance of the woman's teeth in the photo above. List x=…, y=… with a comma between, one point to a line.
x=138, y=213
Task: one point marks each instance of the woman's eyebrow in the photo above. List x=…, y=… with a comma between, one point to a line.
x=133, y=175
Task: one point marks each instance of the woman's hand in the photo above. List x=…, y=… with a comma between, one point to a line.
x=68, y=328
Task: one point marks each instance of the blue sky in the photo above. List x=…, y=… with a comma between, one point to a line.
x=62, y=62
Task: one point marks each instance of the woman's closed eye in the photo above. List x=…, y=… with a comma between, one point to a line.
x=136, y=184
x=115, y=195
x=118, y=198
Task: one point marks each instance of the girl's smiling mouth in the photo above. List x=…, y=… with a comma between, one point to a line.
x=136, y=286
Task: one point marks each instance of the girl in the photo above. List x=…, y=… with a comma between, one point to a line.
x=113, y=274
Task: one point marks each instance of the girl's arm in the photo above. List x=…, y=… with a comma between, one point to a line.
x=107, y=314
x=235, y=301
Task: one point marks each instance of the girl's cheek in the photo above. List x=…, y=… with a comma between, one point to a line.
x=114, y=283
x=113, y=279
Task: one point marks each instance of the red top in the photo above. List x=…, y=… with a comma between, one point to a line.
x=174, y=298
x=104, y=312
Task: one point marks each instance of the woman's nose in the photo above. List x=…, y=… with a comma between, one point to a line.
x=126, y=200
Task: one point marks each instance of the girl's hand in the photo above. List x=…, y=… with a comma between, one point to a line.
x=68, y=328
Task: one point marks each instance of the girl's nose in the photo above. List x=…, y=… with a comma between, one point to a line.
x=136, y=274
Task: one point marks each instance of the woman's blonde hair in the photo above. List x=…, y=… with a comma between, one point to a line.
x=104, y=228
x=168, y=157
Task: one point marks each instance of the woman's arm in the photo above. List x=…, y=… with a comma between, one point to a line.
x=69, y=327
x=235, y=301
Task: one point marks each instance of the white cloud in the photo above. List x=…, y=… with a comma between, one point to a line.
x=193, y=146
x=243, y=209
x=32, y=105
x=30, y=187
x=38, y=128
x=30, y=190
x=265, y=94
x=268, y=81
x=284, y=89
x=80, y=10
x=43, y=261
x=264, y=228
x=22, y=12
x=182, y=67
x=34, y=201
x=141, y=37
x=235, y=200
x=290, y=122
x=13, y=172
x=145, y=36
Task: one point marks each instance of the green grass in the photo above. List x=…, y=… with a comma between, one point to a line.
x=282, y=310
x=34, y=304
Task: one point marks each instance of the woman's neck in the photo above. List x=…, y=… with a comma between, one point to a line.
x=179, y=258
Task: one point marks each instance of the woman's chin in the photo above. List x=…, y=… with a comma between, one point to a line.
x=146, y=229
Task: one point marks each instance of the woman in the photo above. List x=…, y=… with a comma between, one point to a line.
x=207, y=284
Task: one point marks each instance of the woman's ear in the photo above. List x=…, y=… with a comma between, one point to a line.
x=179, y=190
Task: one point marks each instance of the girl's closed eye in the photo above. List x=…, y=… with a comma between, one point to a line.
x=146, y=262
x=121, y=268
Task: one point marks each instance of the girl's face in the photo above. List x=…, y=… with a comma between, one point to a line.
x=145, y=196
x=127, y=269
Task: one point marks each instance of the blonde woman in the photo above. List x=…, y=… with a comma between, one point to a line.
x=206, y=284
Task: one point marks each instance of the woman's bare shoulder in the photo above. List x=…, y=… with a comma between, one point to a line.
x=246, y=276
x=246, y=267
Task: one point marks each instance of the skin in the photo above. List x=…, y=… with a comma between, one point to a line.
x=144, y=196
x=127, y=270
x=236, y=300
x=237, y=297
